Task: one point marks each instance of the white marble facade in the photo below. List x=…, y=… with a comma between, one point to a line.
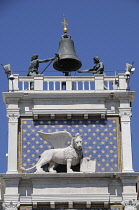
x=84, y=189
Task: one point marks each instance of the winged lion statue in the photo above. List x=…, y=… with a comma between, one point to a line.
x=70, y=155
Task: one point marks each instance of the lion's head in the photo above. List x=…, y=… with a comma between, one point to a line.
x=77, y=141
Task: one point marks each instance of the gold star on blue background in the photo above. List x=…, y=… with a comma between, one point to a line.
x=100, y=140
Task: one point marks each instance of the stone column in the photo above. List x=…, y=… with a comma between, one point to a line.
x=12, y=141
x=125, y=115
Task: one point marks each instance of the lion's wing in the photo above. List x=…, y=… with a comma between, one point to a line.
x=57, y=139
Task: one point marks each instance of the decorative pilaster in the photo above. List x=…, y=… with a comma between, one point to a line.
x=125, y=115
x=12, y=141
x=129, y=188
x=11, y=189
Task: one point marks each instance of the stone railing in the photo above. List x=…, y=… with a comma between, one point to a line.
x=77, y=83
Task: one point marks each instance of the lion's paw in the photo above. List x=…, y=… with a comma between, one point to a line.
x=52, y=171
x=70, y=171
x=39, y=171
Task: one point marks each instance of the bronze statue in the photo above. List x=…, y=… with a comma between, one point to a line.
x=33, y=67
x=34, y=64
x=97, y=69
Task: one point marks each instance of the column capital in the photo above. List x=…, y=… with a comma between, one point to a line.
x=11, y=206
x=13, y=117
x=130, y=205
x=125, y=114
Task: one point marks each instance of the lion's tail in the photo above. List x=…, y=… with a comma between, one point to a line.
x=27, y=169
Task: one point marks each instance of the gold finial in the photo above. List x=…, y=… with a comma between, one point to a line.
x=65, y=23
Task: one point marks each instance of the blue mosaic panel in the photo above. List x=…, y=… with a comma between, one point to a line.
x=116, y=207
x=26, y=208
x=99, y=140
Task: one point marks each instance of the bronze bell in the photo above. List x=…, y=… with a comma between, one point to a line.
x=67, y=60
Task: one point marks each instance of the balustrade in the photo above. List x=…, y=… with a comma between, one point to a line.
x=76, y=83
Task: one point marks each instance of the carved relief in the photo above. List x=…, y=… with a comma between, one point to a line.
x=11, y=206
x=33, y=151
x=130, y=205
x=69, y=156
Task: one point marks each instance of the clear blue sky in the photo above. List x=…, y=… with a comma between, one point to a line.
x=108, y=29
